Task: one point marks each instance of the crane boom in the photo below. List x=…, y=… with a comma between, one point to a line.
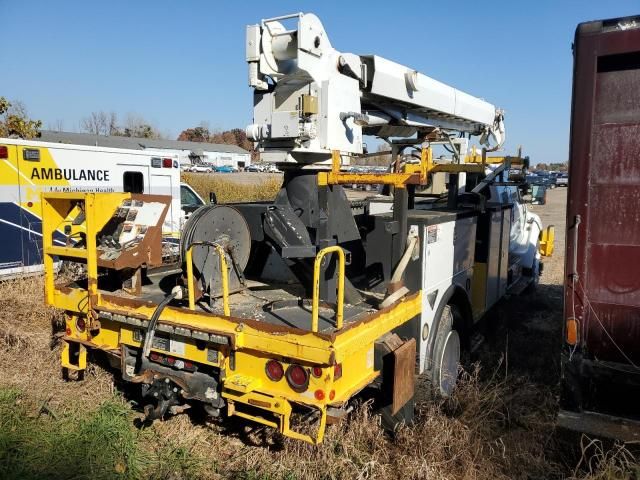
x=311, y=99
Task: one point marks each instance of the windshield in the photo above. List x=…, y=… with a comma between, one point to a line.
x=188, y=197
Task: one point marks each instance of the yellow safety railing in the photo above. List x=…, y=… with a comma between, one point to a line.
x=315, y=306
x=223, y=270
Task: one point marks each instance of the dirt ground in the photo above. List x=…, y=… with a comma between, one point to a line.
x=526, y=330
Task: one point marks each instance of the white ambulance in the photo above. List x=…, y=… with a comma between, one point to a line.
x=28, y=168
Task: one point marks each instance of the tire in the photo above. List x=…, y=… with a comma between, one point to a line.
x=535, y=279
x=447, y=353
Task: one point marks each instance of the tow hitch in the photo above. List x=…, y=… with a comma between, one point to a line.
x=162, y=396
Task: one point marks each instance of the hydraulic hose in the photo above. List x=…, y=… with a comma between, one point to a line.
x=153, y=322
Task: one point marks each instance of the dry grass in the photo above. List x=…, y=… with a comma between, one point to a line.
x=228, y=191
x=493, y=428
x=599, y=462
x=471, y=436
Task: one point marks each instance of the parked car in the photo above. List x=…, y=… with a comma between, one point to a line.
x=202, y=168
x=224, y=169
x=254, y=168
x=546, y=179
x=562, y=180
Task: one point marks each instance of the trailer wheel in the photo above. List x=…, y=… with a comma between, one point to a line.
x=447, y=353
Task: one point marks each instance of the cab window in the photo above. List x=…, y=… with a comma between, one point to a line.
x=188, y=197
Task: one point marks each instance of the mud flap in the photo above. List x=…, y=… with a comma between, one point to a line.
x=396, y=360
x=404, y=360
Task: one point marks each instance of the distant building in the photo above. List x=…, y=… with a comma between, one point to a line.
x=189, y=152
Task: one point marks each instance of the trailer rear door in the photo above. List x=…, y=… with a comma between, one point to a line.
x=605, y=192
x=601, y=363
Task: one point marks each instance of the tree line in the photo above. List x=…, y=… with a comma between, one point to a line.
x=555, y=167
x=16, y=123
x=103, y=123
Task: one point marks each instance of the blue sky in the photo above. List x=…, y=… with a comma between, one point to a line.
x=177, y=63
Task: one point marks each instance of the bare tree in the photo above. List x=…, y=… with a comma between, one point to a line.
x=113, y=124
x=102, y=123
x=96, y=123
x=137, y=126
x=56, y=126
x=18, y=109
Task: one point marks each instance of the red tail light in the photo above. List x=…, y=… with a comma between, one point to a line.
x=297, y=378
x=167, y=163
x=317, y=372
x=319, y=394
x=274, y=370
x=337, y=371
x=4, y=152
x=173, y=362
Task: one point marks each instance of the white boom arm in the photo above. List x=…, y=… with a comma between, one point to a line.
x=311, y=99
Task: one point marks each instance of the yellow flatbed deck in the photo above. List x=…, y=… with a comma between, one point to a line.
x=281, y=305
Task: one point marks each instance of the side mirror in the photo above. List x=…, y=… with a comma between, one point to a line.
x=212, y=198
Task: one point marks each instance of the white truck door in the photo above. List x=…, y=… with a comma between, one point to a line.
x=163, y=185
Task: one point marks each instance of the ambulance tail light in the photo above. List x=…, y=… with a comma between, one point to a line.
x=167, y=163
x=4, y=152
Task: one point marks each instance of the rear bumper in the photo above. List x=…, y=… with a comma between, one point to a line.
x=599, y=424
x=599, y=398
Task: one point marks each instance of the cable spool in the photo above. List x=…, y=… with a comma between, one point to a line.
x=227, y=227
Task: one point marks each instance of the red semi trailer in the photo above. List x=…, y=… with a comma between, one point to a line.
x=601, y=354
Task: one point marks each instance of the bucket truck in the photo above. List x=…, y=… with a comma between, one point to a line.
x=284, y=311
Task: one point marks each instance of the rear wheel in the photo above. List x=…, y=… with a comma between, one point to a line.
x=535, y=278
x=447, y=353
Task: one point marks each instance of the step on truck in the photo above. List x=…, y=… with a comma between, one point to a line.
x=601, y=354
x=284, y=311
